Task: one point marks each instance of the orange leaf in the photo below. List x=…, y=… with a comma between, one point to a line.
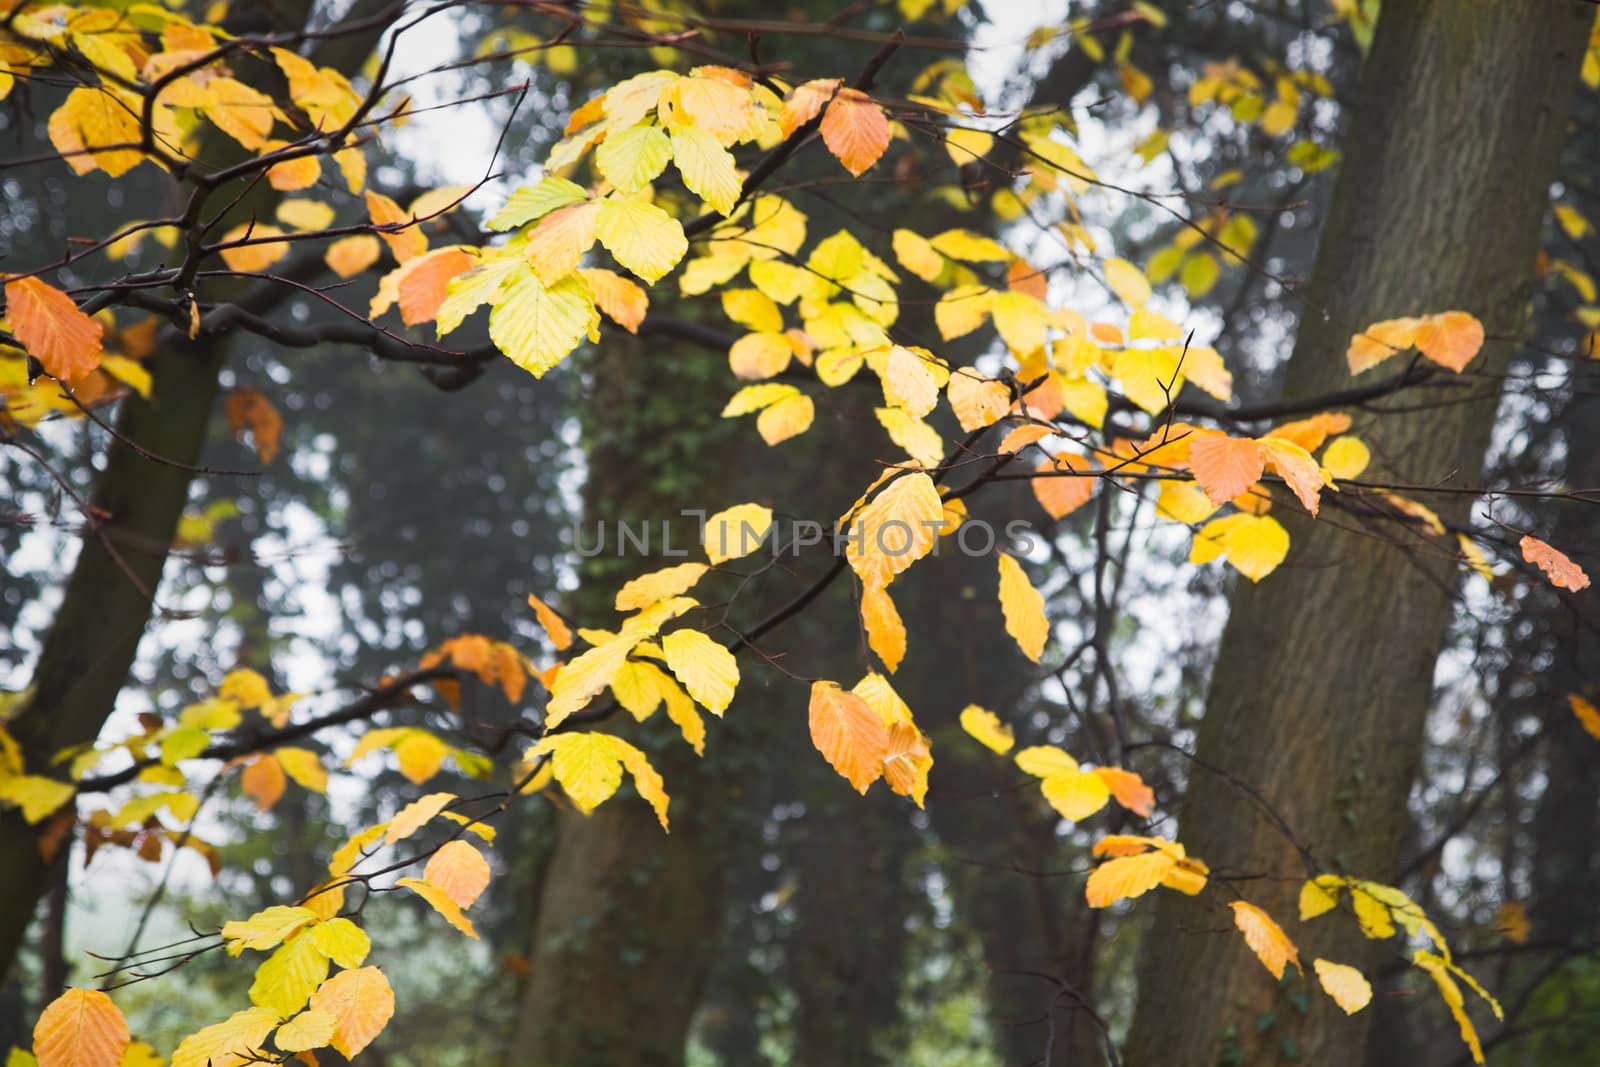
x=1225, y=466
x=263, y=781
x=906, y=766
x=623, y=301
x=424, y=286
x=361, y=1001
x=1297, y=469
x=849, y=734
x=1265, y=938
x=1126, y=877
x=1450, y=338
x=1380, y=341
x=404, y=243
x=460, y=872
x=1062, y=494
x=856, y=130
x=1562, y=572
x=50, y=326
x=1588, y=715
x=804, y=102
x=1128, y=789
x=554, y=625
x=1310, y=433
x=80, y=1028
x=249, y=409
x=349, y=256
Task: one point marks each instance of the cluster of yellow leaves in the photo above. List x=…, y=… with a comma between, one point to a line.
x=589, y=767
x=1382, y=911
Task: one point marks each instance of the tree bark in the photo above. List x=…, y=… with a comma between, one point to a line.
x=1323, y=679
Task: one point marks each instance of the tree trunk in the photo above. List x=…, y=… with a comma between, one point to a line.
x=96, y=632
x=1323, y=679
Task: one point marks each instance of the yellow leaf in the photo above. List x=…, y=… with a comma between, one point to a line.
x=681, y=711
x=1126, y=877
x=850, y=735
x=1346, y=457
x=917, y=255
x=1150, y=377
x=752, y=309
x=985, y=726
x=1046, y=761
x=633, y=158
x=233, y=1042
x=1128, y=282
x=909, y=381
x=415, y=815
x=977, y=401
x=895, y=530
x=1437, y=969
x=1023, y=607
x=460, y=872
x=1076, y=795
x=531, y=202
x=289, y=976
x=35, y=794
x=788, y=418
x=586, y=764
x=708, y=169
x=536, y=326
x=89, y=122
x=304, y=766
x=962, y=310
x=880, y=696
x=736, y=532
x=305, y=214
x=1588, y=715
x=1297, y=469
x=706, y=668
x=1380, y=341
x=756, y=356
x=641, y=236
x=886, y=634
x=265, y=929
x=966, y=145
x=1253, y=544
x=1265, y=938
x=308, y=1030
x=440, y=901
x=920, y=441
x=80, y=1028
x=362, y=1003
x=341, y=940
x=1347, y=986
x=652, y=588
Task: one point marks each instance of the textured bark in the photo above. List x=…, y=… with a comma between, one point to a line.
x=1323, y=680
x=107, y=604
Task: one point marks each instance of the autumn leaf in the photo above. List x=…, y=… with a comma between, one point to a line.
x=1225, y=466
x=886, y=633
x=1347, y=986
x=231, y=1043
x=1023, y=608
x=735, y=532
x=1588, y=715
x=706, y=668
x=554, y=625
x=849, y=734
x=249, y=409
x=856, y=130
x=805, y=102
x=907, y=762
x=440, y=902
x=1128, y=790
x=415, y=815
x=641, y=236
x=1061, y=494
x=1265, y=938
x=1451, y=339
x=266, y=929
x=459, y=871
x=1562, y=572
x=895, y=530
x=652, y=588
x=539, y=326
x=263, y=781
x=64, y=340
x=80, y=1028
x=398, y=230
x=1253, y=544
x=986, y=728
x=977, y=401
x=361, y=1002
